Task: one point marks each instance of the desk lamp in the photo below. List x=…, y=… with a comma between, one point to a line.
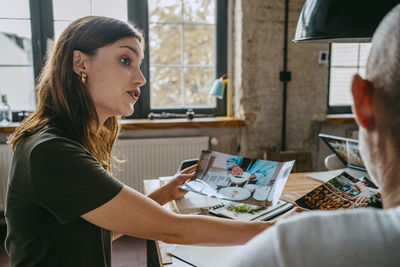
x=218, y=89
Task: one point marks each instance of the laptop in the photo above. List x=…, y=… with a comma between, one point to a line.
x=348, y=152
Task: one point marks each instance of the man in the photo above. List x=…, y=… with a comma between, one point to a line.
x=360, y=237
x=260, y=171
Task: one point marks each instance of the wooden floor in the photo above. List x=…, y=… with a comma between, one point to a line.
x=126, y=252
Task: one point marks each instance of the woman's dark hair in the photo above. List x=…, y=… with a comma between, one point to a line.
x=62, y=98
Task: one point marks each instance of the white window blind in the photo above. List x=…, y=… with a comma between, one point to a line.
x=65, y=12
x=347, y=59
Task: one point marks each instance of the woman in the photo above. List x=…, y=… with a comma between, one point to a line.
x=63, y=204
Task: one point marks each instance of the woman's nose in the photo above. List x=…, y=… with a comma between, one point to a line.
x=140, y=79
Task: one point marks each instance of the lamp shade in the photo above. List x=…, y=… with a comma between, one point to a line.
x=335, y=21
x=218, y=88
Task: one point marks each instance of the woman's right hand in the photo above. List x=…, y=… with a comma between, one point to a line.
x=292, y=212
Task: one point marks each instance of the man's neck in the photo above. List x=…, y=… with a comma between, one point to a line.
x=389, y=176
x=391, y=190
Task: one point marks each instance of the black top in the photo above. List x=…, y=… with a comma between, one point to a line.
x=53, y=181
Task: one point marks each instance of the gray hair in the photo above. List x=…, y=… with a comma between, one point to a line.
x=383, y=67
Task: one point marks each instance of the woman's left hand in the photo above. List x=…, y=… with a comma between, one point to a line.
x=171, y=190
x=178, y=180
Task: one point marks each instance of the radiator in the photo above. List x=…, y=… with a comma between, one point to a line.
x=5, y=162
x=144, y=159
x=155, y=157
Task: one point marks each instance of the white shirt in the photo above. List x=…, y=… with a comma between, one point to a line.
x=359, y=237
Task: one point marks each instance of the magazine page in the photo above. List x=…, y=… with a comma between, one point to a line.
x=343, y=191
x=245, y=212
x=251, y=181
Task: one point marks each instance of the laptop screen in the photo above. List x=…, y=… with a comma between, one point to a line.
x=346, y=149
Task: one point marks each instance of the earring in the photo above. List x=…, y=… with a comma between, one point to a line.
x=83, y=77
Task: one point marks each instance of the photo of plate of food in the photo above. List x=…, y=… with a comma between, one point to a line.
x=235, y=193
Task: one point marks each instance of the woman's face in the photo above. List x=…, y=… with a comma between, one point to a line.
x=114, y=77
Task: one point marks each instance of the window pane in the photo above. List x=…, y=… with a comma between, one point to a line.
x=190, y=57
x=361, y=71
x=199, y=44
x=17, y=83
x=339, y=88
x=165, y=10
x=115, y=9
x=165, y=44
x=16, y=70
x=20, y=28
x=166, y=84
x=15, y=9
x=71, y=9
x=198, y=82
x=15, y=50
x=346, y=60
x=59, y=27
x=364, y=52
x=67, y=11
x=344, y=54
x=199, y=11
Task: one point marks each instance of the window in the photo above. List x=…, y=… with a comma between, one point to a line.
x=182, y=53
x=346, y=60
x=186, y=48
x=16, y=62
x=64, y=12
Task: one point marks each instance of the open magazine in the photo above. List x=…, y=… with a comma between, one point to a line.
x=252, y=181
x=343, y=191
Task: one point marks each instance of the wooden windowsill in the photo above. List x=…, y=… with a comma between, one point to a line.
x=212, y=122
x=146, y=124
x=340, y=118
x=9, y=128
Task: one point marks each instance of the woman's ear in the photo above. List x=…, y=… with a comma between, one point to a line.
x=362, y=96
x=79, y=62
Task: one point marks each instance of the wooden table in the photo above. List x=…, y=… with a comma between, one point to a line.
x=296, y=186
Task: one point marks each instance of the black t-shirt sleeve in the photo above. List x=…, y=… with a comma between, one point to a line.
x=68, y=181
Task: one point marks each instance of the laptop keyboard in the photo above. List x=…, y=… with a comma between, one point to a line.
x=356, y=173
x=327, y=175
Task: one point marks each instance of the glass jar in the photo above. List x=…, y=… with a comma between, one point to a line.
x=5, y=111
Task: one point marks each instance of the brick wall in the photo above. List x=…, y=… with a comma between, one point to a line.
x=258, y=39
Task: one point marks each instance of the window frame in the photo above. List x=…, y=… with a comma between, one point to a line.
x=41, y=14
x=138, y=12
x=42, y=29
x=345, y=109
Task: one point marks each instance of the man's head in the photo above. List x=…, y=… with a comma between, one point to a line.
x=377, y=99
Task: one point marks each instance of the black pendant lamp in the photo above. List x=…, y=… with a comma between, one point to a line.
x=341, y=21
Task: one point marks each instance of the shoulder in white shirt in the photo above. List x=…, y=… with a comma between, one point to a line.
x=360, y=237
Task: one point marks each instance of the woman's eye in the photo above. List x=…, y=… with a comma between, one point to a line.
x=125, y=61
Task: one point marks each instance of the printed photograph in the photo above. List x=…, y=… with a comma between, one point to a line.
x=251, y=181
x=342, y=192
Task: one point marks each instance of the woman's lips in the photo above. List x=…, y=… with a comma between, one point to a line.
x=134, y=94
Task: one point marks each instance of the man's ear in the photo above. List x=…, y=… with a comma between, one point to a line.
x=362, y=96
x=79, y=62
